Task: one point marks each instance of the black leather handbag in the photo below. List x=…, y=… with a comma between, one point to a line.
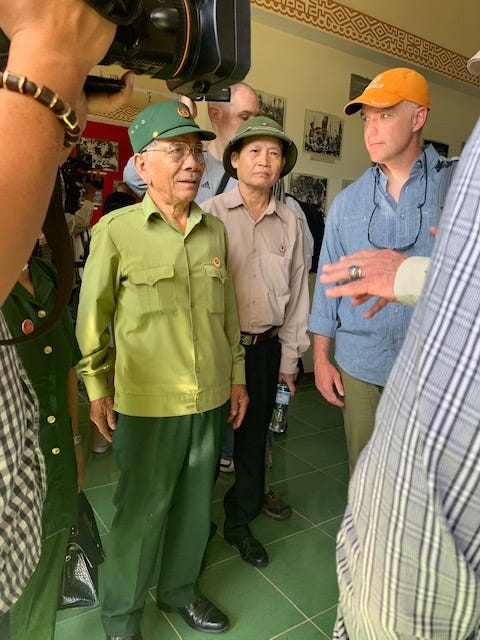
x=84, y=553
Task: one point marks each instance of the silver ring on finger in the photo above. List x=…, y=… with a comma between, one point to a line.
x=355, y=272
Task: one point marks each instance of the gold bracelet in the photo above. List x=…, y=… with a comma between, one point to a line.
x=62, y=110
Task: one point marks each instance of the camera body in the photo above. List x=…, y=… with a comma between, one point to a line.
x=199, y=47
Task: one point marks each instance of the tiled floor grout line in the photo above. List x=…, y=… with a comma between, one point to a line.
x=295, y=626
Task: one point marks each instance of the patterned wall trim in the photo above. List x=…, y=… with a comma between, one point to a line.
x=124, y=114
x=339, y=20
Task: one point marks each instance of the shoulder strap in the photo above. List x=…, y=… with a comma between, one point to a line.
x=223, y=184
x=58, y=238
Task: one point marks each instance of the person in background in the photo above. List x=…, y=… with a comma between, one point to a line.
x=117, y=200
x=271, y=288
x=159, y=268
x=122, y=187
x=391, y=206
x=50, y=364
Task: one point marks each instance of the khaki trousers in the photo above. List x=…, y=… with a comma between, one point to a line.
x=361, y=401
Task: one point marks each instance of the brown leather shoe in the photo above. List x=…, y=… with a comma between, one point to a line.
x=201, y=615
x=274, y=507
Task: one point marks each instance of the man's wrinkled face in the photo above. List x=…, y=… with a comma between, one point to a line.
x=172, y=168
x=259, y=161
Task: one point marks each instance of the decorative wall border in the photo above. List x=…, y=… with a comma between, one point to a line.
x=124, y=114
x=339, y=20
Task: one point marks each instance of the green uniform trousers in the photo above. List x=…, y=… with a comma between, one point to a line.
x=361, y=401
x=162, y=522
x=34, y=613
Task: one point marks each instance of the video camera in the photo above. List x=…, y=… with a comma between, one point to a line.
x=199, y=46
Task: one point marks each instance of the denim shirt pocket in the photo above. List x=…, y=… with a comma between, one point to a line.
x=155, y=288
x=215, y=286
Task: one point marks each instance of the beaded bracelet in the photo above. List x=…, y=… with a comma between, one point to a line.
x=47, y=97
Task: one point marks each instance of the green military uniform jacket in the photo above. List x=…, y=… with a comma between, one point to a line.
x=171, y=301
x=48, y=361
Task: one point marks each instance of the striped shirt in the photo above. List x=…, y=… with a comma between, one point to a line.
x=408, y=552
x=22, y=476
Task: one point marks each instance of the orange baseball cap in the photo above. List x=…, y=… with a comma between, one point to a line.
x=391, y=87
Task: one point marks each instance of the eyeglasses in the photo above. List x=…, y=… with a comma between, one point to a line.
x=178, y=151
x=373, y=229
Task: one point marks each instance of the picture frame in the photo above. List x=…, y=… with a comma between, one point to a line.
x=358, y=84
x=309, y=188
x=323, y=133
x=272, y=106
x=104, y=153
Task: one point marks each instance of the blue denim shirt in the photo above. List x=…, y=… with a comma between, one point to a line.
x=366, y=349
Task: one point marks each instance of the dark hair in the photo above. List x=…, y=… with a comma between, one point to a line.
x=117, y=200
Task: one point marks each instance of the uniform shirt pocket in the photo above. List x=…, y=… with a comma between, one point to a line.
x=215, y=285
x=155, y=288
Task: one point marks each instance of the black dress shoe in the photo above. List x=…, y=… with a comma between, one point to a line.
x=137, y=636
x=250, y=548
x=201, y=615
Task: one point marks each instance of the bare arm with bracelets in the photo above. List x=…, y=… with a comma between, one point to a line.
x=53, y=44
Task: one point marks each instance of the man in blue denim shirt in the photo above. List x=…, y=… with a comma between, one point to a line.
x=392, y=205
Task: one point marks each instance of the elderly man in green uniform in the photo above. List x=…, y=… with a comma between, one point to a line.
x=158, y=271
x=50, y=363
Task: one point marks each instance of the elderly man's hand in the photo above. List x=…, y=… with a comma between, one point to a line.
x=379, y=268
x=289, y=379
x=103, y=415
x=238, y=405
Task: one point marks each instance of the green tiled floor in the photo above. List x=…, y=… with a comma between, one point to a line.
x=294, y=598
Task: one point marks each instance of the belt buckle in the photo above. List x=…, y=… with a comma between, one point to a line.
x=247, y=340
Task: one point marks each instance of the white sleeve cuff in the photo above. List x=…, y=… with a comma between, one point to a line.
x=409, y=279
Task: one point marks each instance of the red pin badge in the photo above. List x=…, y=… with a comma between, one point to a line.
x=28, y=327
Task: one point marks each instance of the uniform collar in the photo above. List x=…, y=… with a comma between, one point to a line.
x=233, y=199
x=150, y=209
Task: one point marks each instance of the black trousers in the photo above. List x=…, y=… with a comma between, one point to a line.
x=244, y=499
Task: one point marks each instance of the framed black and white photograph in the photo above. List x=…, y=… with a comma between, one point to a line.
x=308, y=188
x=104, y=153
x=358, y=84
x=323, y=135
x=440, y=147
x=272, y=107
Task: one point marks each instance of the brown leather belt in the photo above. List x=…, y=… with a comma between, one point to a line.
x=249, y=339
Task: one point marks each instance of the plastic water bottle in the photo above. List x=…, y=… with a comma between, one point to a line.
x=278, y=423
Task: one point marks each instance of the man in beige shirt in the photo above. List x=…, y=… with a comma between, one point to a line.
x=270, y=280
